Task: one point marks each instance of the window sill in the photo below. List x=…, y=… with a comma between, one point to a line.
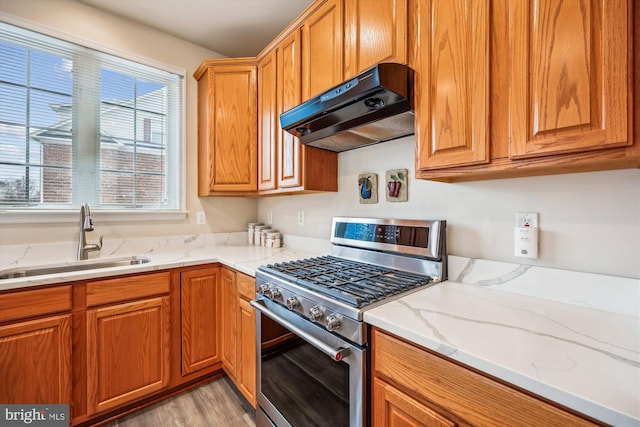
x=23, y=216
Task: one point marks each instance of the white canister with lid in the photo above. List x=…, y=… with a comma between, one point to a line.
x=273, y=239
x=263, y=235
x=251, y=230
x=257, y=233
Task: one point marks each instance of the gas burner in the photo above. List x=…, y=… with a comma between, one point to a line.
x=353, y=282
x=372, y=261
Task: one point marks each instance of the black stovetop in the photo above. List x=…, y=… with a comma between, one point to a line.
x=353, y=282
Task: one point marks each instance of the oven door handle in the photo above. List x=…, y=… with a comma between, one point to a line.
x=336, y=354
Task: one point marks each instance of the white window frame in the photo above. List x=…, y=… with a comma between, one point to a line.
x=22, y=215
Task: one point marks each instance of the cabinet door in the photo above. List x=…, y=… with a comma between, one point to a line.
x=199, y=306
x=247, y=350
x=228, y=132
x=375, y=31
x=322, y=49
x=229, y=310
x=127, y=352
x=392, y=408
x=268, y=128
x=451, y=82
x=289, y=96
x=570, y=79
x=35, y=361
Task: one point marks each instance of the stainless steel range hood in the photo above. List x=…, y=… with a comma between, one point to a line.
x=373, y=107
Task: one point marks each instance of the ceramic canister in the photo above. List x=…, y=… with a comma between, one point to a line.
x=250, y=231
x=257, y=232
x=273, y=239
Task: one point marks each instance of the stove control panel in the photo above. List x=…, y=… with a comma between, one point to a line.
x=297, y=301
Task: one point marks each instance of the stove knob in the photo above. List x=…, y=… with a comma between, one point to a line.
x=264, y=288
x=273, y=293
x=315, y=313
x=333, y=322
x=293, y=303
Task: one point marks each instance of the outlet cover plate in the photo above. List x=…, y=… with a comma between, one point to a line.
x=527, y=219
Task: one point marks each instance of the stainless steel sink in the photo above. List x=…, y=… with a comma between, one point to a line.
x=90, y=264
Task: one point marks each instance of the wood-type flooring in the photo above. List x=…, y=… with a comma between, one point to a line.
x=214, y=404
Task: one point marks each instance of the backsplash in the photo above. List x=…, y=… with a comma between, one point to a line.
x=588, y=221
x=46, y=253
x=613, y=294
x=60, y=252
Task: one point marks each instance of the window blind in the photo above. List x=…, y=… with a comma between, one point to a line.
x=77, y=124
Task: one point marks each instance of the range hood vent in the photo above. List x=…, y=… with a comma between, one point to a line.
x=375, y=106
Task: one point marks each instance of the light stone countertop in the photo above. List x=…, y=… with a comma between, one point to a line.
x=571, y=337
x=229, y=249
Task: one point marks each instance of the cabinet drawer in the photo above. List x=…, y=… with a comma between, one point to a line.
x=127, y=288
x=35, y=302
x=477, y=399
x=246, y=286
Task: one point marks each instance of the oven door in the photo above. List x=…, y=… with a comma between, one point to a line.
x=306, y=375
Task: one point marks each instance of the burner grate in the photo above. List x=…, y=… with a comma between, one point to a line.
x=354, y=282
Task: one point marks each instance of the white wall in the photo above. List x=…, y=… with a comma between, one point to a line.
x=86, y=23
x=588, y=221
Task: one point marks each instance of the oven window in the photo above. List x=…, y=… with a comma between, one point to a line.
x=305, y=385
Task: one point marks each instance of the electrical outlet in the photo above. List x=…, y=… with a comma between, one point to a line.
x=527, y=219
x=201, y=219
x=300, y=217
x=525, y=235
x=269, y=217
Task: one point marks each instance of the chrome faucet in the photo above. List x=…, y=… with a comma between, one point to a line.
x=86, y=224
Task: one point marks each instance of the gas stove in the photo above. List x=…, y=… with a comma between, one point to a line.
x=372, y=262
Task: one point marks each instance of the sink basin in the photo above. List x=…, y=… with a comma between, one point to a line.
x=90, y=264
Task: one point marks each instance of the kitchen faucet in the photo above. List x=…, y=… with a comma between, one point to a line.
x=86, y=224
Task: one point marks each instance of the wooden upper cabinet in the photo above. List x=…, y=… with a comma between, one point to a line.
x=570, y=79
x=298, y=168
x=322, y=47
x=268, y=124
x=451, y=63
x=289, y=96
x=375, y=31
x=227, y=126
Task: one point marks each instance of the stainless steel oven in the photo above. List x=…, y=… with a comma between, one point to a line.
x=311, y=341
x=308, y=376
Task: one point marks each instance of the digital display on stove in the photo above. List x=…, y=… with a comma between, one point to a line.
x=392, y=234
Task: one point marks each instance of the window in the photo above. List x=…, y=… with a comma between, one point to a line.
x=77, y=125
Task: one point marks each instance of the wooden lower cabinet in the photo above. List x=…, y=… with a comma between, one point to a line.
x=112, y=345
x=415, y=387
x=35, y=346
x=127, y=352
x=35, y=361
x=246, y=351
x=239, y=331
x=228, y=331
x=395, y=409
x=199, y=314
